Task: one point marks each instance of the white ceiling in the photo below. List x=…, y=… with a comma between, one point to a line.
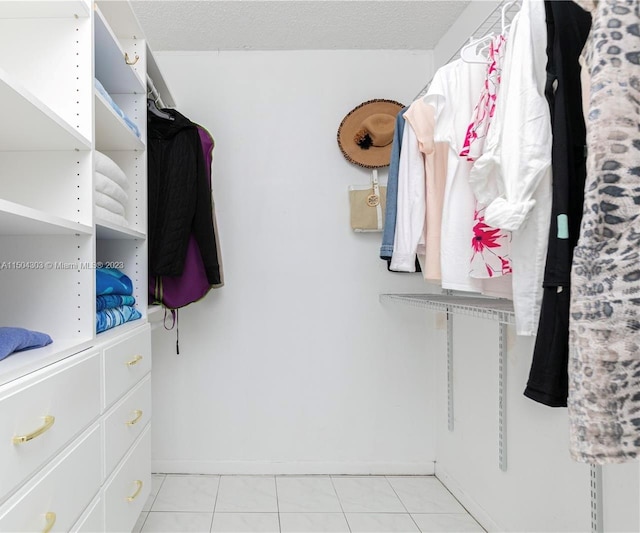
x=296, y=24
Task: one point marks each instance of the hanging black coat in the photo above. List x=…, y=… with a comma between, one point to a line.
x=179, y=197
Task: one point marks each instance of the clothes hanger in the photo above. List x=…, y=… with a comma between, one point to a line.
x=153, y=109
x=470, y=52
x=503, y=16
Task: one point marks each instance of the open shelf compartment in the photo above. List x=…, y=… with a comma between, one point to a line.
x=116, y=76
x=29, y=125
x=111, y=131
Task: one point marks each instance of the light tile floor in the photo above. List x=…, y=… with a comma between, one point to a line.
x=302, y=504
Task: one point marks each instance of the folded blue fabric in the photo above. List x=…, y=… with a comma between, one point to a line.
x=110, y=318
x=109, y=301
x=108, y=98
x=19, y=339
x=102, y=90
x=112, y=281
x=132, y=126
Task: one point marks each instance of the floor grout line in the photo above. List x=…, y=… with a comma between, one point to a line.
x=275, y=482
x=340, y=503
x=144, y=521
x=164, y=477
x=461, y=504
x=215, y=503
x=403, y=505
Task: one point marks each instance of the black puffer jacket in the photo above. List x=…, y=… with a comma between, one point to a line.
x=179, y=197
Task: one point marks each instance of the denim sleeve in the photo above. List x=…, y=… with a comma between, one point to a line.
x=388, y=235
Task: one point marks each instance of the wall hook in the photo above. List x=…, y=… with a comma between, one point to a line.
x=128, y=61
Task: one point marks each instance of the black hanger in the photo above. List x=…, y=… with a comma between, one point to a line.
x=152, y=108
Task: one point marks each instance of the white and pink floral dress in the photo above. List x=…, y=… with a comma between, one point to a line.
x=490, y=247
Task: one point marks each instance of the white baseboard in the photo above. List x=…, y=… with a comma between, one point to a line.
x=468, y=503
x=291, y=468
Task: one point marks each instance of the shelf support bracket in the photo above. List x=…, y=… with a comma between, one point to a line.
x=502, y=397
x=450, y=368
x=597, y=515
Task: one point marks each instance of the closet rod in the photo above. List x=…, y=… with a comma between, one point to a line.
x=493, y=22
x=151, y=88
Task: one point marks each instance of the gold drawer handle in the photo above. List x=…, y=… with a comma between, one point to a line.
x=48, y=422
x=51, y=520
x=138, y=414
x=137, y=492
x=135, y=360
x=128, y=60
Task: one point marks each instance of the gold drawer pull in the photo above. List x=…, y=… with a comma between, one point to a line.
x=137, y=492
x=51, y=520
x=135, y=360
x=128, y=60
x=48, y=422
x=138, y=414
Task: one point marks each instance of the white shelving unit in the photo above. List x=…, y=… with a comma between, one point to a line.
x=46, y=175
x=54, y=120
x=121, y=57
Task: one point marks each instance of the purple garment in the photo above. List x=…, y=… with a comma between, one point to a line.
x=177, y=291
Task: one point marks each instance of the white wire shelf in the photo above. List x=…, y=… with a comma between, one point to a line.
x=500, y=310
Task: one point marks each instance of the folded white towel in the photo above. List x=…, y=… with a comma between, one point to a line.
x=104, y=214
x=108, y=167
x=109, y=187
x=107, y=202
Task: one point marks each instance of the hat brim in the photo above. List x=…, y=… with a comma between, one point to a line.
x=374, y=156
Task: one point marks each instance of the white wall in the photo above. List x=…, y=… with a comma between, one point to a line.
x=293, y=366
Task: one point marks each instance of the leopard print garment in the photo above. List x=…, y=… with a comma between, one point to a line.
x=604, y=364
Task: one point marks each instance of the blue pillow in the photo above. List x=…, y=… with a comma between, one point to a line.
x=18, y=339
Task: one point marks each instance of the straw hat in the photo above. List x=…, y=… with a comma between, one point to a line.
x=365, y=135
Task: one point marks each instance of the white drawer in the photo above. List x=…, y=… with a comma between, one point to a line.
x=60, y=493
x=68, y=391
x=125, y=422
x=92, y=520
x=129, y=487
x=126, y=362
